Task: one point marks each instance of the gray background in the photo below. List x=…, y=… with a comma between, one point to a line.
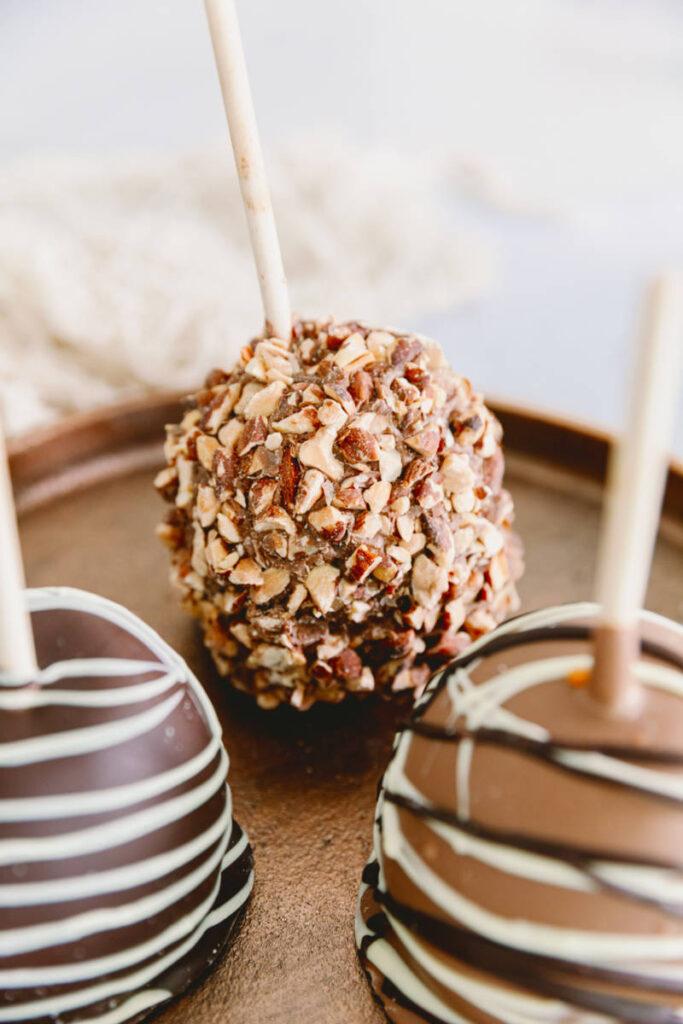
x=575, y=106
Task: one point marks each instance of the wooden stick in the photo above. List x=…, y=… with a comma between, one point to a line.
x=239, y=107
x=17, y=650
x=636, y=481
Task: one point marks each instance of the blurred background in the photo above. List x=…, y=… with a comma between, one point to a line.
x=502, y=174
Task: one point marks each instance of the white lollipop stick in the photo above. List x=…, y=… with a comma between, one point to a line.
x=239, y=107
x=17, y=650
x=636, y=480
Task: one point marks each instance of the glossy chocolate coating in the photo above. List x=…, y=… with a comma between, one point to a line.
x=122, y=872
x=527, y=862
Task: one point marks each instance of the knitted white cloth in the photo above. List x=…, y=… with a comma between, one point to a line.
x=127, y=275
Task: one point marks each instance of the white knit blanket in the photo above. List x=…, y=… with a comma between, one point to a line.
x=123, y=276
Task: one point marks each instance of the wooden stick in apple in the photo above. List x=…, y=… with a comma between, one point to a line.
x=239, y=107
x=636, y=480
x=17, y=650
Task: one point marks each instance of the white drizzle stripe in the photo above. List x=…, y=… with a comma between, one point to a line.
x=642, y=881
x=136, y=956
x=544, y=617
x=397, y=971
x=386, y=959
x=96, y=668
x=653, y=955
x=480, y=707
x=77, y=742
x=231, y=906
x=113, y=833
x=396, y=781
x=645, y=882
x=109, y=989
x=83, y=887
x=663, y=677
x=672, y=973
x=544, y=940
x=46, y=935
x=37, y=697
x=46, y=598
x=507, y=722
x=545, y=870
x=510, y=1006
x=462, y=778
x=481, y=704
x=132, y=1007
x=85, y=668
x=532, y=620
x=603, y=767
x=85, y=970
x=236, y=852
x=73, y=805
x=534, y=867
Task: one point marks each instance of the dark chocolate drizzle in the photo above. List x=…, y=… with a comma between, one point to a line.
x=391, y=991
x=548, y=752
x=534, y=972
x=573, y=855
x=531, y=970
x=519, y=638
x=580, y=858
x=545, y=749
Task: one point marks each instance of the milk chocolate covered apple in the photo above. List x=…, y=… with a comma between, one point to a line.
x=527, y=856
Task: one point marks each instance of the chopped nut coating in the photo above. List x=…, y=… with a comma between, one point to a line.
x=337, y=521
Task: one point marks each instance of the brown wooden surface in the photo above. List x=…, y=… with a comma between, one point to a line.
x=304, y=785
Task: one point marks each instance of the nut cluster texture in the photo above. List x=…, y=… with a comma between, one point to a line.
x=338, y=522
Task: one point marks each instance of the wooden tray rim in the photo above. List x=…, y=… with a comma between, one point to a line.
x=84, y=448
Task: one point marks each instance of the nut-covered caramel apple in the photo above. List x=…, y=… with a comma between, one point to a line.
x=527, y=858
x=338, y=519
